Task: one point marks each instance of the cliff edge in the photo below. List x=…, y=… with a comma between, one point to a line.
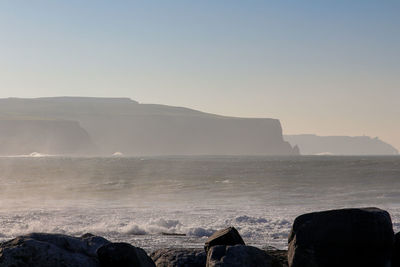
x=124, y=125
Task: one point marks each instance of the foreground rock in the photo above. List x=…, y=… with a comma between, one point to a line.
x=179, y=257
x=51, y=250
x=228, y=236
x=396, y=251
x=279, y=257
x=123, y=255
x=237, y=256
x=347, y=237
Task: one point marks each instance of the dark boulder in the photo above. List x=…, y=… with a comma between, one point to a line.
x=228, y=236
x=279, y=257
x=51, y=250
x=123, y=255
x=237, y=256
x=346, y=237
x=396, y=251
x=179, y=257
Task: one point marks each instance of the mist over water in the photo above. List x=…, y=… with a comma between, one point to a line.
x=138, y=199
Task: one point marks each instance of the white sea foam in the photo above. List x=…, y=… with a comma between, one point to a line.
x=200, y=232
x=31, y=155
x=135, y=229
x=250, y=220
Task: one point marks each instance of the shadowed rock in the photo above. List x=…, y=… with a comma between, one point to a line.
x=123, y=255
x=180, y=257
x=228, y=236
x=237, y=256
x=346, y=237
x=396, y=251
x=279, y=257
x=51, y=250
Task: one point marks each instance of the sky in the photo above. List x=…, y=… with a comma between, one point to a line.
x=324, y=67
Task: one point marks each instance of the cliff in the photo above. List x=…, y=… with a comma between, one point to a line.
x=23, y=137
x=121, y=124
x=310, y=144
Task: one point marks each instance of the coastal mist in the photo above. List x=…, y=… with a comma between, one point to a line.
x=156, y=202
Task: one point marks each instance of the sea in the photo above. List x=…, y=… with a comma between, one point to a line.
x=178, y=201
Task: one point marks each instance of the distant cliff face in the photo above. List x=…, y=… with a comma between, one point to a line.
x=120, y=124
x=24, y=137
x=187, y=135
x=310, y=144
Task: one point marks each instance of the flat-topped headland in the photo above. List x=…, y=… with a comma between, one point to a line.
x=104, y=126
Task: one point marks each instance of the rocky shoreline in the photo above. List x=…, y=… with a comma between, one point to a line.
x=345, y=237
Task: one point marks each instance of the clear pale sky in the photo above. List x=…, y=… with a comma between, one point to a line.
x=325, y=67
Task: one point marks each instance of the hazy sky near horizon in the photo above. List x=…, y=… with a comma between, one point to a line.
x=324, y=67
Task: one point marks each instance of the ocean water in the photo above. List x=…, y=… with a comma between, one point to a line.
x=138, y=200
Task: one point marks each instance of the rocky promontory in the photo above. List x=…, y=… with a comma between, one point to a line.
x=311, y=144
